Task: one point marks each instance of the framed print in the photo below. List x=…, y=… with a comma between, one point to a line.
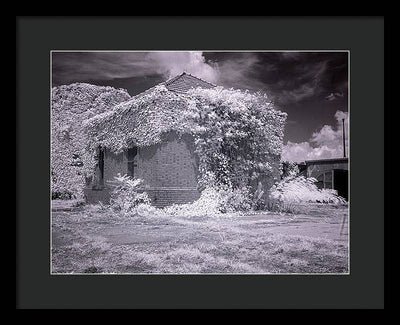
x=213, y=169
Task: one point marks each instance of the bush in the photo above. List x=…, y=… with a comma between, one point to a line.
x=125, y=197
x=294, y=190
x=214, y=201
x=232, y=200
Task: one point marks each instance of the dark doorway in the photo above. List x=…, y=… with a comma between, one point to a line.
x=132, y=161
x=341, y=182
x=101, y=166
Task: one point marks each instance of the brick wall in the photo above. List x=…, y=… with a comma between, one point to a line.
x=163, y=197
x=168, y=164
x=169, y=170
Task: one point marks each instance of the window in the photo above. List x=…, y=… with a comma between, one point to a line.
x=132, y=161
x=325, y=180
x=101, y=166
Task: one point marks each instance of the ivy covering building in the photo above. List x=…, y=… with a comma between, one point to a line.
x=182, y=136
x=185, y=135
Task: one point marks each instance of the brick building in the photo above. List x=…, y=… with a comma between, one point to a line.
x=148, y=137
x=169, y=171
x=169, y=168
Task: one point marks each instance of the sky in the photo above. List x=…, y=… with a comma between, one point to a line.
x=311, y=87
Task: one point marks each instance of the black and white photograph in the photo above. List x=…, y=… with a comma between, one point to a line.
x=200, y=162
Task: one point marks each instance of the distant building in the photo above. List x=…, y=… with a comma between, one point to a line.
x=330, y=173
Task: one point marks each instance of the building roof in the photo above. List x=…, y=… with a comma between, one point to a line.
x=142, y=120
x=327, y=161
x=179, y=84
x=184, y=82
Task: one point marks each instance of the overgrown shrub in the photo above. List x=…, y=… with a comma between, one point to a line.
x=70, y=106
x=125, y=197
x=289, y=169
x=232, y=200
x=239, y=135
x=285, y=195
x=214, y=201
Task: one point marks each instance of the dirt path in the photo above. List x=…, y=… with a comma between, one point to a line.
x=315, y=227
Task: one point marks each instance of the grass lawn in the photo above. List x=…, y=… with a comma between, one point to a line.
x=90, y=239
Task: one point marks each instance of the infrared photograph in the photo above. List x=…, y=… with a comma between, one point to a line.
x=199, y=162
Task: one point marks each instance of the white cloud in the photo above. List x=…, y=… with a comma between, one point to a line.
x=332, y=136
x=334, y=96
x=299, y=152
x=323, y=144
x=238, y=72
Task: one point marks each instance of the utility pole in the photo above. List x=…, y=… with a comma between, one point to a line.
x=344, y=144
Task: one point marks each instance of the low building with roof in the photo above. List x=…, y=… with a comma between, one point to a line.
x=145, y=138
x=330, y=173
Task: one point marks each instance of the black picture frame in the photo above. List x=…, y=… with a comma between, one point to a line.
x=363, y=288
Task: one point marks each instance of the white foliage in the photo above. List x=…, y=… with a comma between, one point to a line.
x=70, y=106
x=141, y=121
x=125, y=197
x=237, y=134
x=300, y=190
x=206, y=205
x=213, y=202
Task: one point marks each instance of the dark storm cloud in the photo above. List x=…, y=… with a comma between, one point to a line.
x=78, y=66
x=289, y=77
x=309, y=86
x=300, y=76
x=81, y=66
